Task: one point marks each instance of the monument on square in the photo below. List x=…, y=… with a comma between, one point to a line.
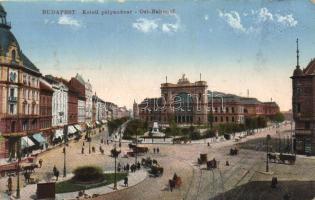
x=155, y=132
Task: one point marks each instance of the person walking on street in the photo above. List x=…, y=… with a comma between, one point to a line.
x=153, y=150
x=57, y=174
x=82, y=150
x=157, y=150
x=126, y=181
x=10, y=184
x=40, y=163
x=54, y=169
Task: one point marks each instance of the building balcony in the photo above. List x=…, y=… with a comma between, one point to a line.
x=12, y=99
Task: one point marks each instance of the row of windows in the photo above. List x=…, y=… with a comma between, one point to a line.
x=30, y=94
x=45, y=100
x=29, y=109
x=228, y=119
x=30, y=81
x=25, y=124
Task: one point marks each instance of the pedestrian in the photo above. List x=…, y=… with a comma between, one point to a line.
x=208, y=144
x=170, y=182
x=57, y=174
x=40, y=163
x=157, y=150
x=10, y=184
x=83, y=143
x=133, y=168
x=126, y=181
x=54, y=169
x=82, y=150
x=153, y=150
x=127, y=167
x=138, y=165
x=27, y=176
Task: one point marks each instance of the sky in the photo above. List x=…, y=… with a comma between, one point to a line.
x=237, y=45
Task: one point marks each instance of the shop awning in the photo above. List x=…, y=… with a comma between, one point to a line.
x=26, y=142
x=71, y=130
x=104, y=121
x=78, y=127
x=39, y=138
x=58, y=134
x=97, y=122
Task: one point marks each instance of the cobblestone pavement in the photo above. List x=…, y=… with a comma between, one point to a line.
x=198, y=183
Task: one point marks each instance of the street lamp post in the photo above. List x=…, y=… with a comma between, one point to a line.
x=18, y=168
x=65, y=130
x=267, y=161
x=89, y=139
x=115, y=154
x=292, y=150
x=136, y=153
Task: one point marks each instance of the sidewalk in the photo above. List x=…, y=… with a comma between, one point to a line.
x=28, y=192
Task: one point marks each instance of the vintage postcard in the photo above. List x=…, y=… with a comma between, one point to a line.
x=157, y=100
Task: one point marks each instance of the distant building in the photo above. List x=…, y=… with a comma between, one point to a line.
x=80, y=88
x=303, y=104
x=45, y=110
x=123, y=112
x=73, y=96
x=112, y=110
x=192, y=104
x=135, y=110
x=59, y=101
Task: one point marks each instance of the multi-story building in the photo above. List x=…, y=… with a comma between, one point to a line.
x=225, y=108
x=72, y=102
x=19, y=91
x=112, y=110
x=191, y=103
x=88, y=93
x=59, y=101
x=99, y=115
x=303, y=104
x=45, y=110
x=185, y=102
x=123, y=112
x=80, y=88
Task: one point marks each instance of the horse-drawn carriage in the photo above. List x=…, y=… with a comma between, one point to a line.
x=202, y=159
x=282, y=158
x=233, y=152
x=180, y=140
x=156, y=170
x=137, y=149
x=146, y=162
x=212, y=164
